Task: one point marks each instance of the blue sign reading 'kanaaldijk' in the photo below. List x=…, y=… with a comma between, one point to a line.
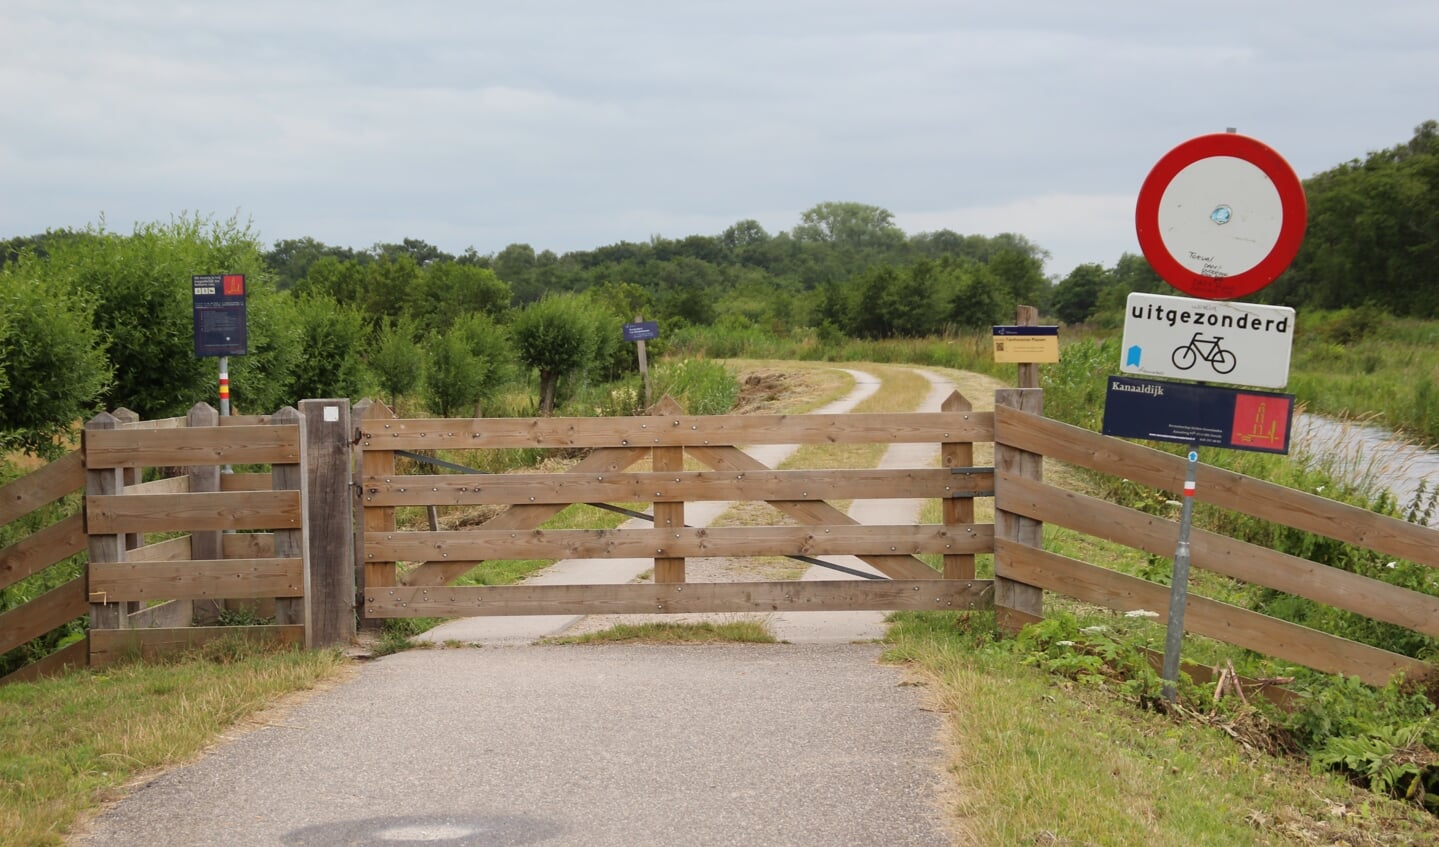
x=1198, y=414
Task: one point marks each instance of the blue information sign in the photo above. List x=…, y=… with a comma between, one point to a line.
x=642, y=331
x=1198, y=414
x=219, y=301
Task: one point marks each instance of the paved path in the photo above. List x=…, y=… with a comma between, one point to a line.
x=600, y=746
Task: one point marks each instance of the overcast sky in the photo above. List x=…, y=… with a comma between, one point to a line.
x=571, y=125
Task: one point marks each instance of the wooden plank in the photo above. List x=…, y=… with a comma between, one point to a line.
x=245, y=482
x=157, y=423
x=203, y=511
x=958, y=511
x=171, y=613
x=471, y=545
x=130, y=448
x=811, y=512
x=62, y=661
x=674, y=598
x=246, y=545
x=110, y=646
x=22, y=496
x=1016, y=603
x=1203, y=616
x=54, y=608
x=608, y=460
x=169, y=550
x=41, y=549
x=1226, y=489
x=329, y=560
x=198, y=580
x=246, y=420
x=1220, y=554
x=676, y=431
x=671, y=486
x=168, y=485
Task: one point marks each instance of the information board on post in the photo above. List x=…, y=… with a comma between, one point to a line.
x=1182, y=413
x=220, y=320
x=642, y=331
x=1026, y=344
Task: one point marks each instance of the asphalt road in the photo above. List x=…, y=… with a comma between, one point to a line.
x=787, y=744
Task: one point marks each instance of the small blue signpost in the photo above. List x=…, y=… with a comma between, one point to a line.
x=642, y=331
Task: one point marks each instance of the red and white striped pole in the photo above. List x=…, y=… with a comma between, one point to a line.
x=225, y=386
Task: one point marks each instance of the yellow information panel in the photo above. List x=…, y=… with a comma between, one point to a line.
x=1026, y=344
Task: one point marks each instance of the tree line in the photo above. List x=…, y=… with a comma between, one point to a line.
x=93, y=319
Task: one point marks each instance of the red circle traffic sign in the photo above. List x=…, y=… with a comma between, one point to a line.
x=1221, y=216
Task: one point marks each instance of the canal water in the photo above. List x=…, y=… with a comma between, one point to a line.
x=1368, y=454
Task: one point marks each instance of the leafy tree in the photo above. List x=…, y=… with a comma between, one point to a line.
x=420, y=252
x=391, y=287
x=143, y=304
x=290, y=259
x=1022, y=272
x=979, y=297
x=52, y=363
x=1373, y=233
x=556, y=337
x=455, y=376
x=1077, y=295
x=398, y=360
x=449, y=290
x=330, y=336
x=849, y=226
x=328, y=276
x=913, y=311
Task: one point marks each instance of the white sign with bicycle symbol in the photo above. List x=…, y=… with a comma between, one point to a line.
x=1207, y=340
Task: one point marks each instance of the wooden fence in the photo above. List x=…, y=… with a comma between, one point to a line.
x=170, y=560
x=167, y=553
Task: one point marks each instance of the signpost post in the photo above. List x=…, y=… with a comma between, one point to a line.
x=639, y=332
x=1220, y=216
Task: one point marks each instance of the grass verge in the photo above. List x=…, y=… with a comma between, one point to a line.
x=74, y=741
x=1038, y=759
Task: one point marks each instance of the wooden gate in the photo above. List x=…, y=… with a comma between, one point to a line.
x=669, y=459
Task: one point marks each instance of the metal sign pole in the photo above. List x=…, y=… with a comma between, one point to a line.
x=1179, y=585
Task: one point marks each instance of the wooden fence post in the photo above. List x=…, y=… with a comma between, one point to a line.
x=1028, y=371
x=669, y=515
x=957, y=510
x=330, y=561
x=108, y=547
x=289, y=543
x=1015, y=603
x=205, y=544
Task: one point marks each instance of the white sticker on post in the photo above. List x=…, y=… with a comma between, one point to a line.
x=332, y=413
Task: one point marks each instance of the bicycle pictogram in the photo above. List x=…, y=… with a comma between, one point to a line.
x=1208, y=349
